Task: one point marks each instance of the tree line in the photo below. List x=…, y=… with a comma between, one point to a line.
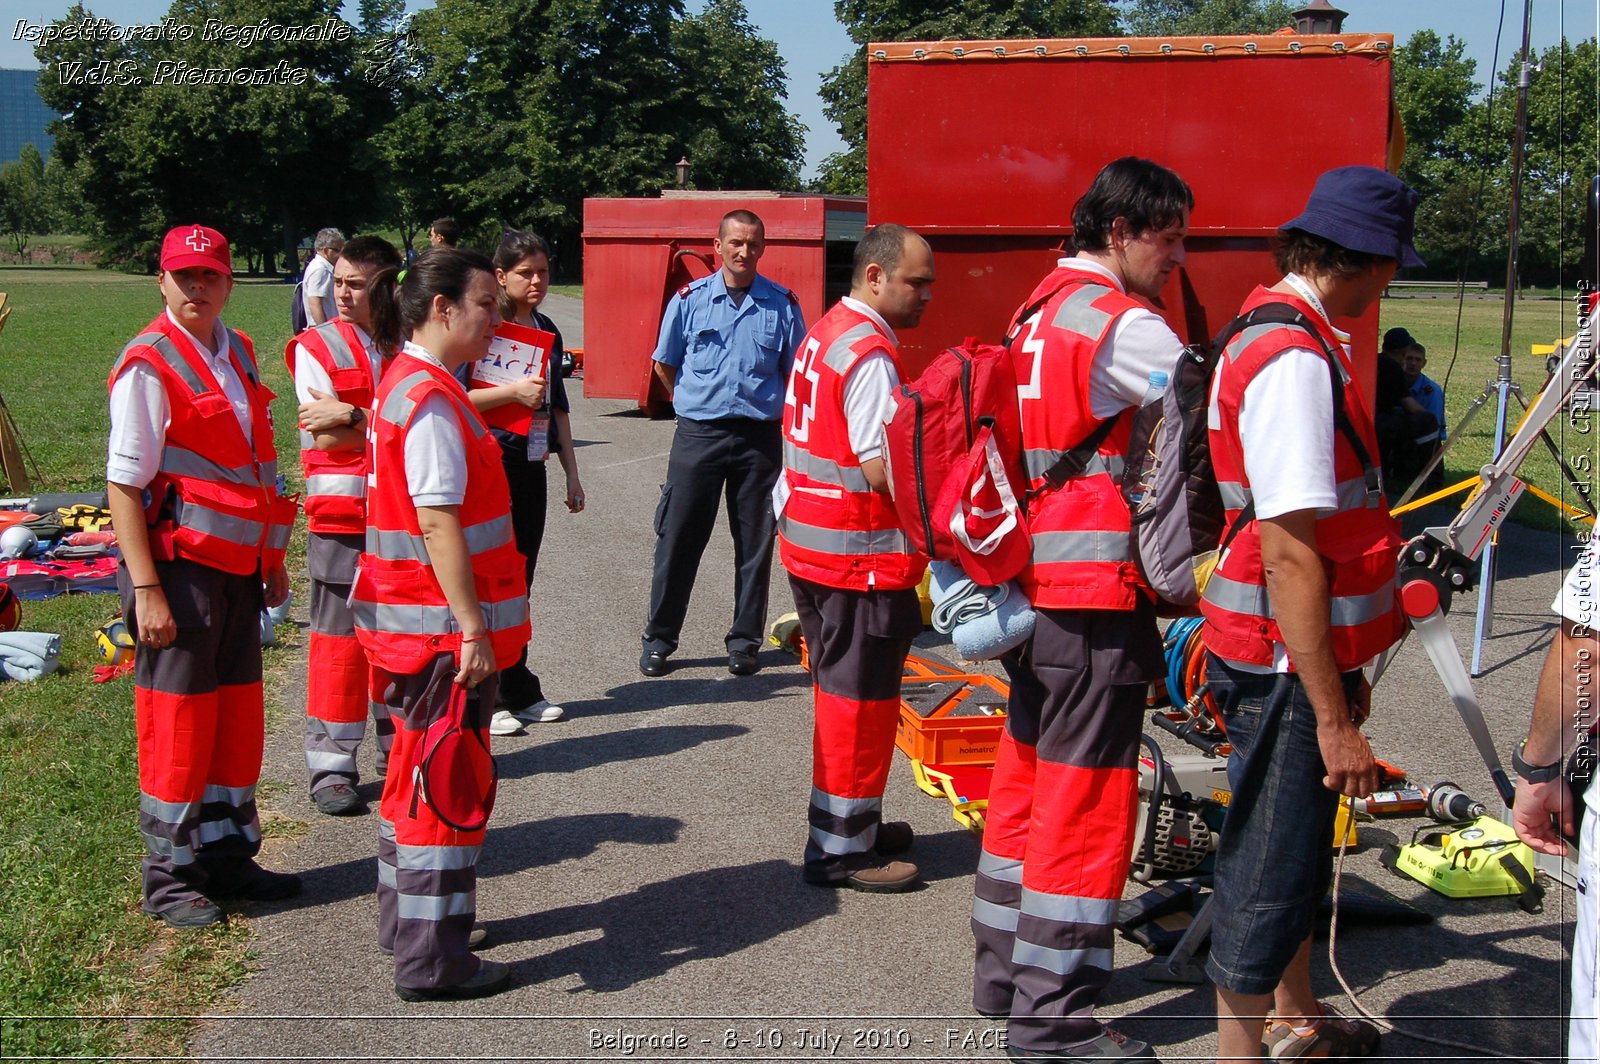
x=508, y=113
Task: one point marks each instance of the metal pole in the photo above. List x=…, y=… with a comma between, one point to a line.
x=1503, y=377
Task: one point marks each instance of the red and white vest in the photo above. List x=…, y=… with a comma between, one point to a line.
x=402, y=617
x=1081, y=553
x=834, y=529
x=336, y=481
x=215, y=498
x=1359, y=542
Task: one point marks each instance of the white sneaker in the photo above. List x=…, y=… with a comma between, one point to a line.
x=541, y=712
x=504, y=722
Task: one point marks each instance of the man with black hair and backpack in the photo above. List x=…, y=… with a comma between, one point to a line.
x=1301, y=599
x=1060, y=822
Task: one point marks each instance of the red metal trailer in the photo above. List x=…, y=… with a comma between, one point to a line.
x=984, y=147
x=638, y=252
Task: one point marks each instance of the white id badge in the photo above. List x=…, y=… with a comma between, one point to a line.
x=539, y=438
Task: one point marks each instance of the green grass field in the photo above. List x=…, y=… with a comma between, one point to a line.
x=72, y=941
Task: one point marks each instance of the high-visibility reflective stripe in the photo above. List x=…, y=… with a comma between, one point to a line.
x=385, y=829
x=428, y=907
x=211, y=831
x=834, y=805
x=342, y=730
x=397, y=546
x=991, y=914
x=839, y=357
x=1068, y=909
x=354, y=486
x=387, y=875
x=241, y=356
x=414, y=619
x=1086, y=546
x=1004, y=869
x=1078, y=313
x=161, y=846
x=180, y=461
x=278, y=536
x=171, y=356
x=308, y=442
x=1038, y=462
x=338, y=347
x=847, y=543
x=269, y=473
x=830, y=843
x=231, y=795
x=329, y=761
x=1059, y=961
x=1349, y=494
x=167, y=812
x=209, y=522
x=398, y=406
x=808, y=465
x=1250, y=334
x=435, y=858
x=1346, y=611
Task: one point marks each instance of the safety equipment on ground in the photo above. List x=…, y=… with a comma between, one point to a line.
x=10, y=609
x=114, y=643
x=18, y=541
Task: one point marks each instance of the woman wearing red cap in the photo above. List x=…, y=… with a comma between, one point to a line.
x=191, y=477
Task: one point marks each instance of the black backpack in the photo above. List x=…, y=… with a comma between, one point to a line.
x=297, y=313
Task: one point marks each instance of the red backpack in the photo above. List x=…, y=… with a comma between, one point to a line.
x=953, y=453
x=453, y=768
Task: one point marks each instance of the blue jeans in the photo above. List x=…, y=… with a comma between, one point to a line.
x=1275, y=858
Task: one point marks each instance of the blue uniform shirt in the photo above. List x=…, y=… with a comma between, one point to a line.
x=732, y=362
x=1431, y=396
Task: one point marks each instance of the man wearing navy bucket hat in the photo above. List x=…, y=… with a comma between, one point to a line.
x=1300, y=602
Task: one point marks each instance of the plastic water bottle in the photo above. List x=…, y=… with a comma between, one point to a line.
x=1156, y=389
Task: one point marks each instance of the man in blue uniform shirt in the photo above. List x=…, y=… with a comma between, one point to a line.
x=727, y=344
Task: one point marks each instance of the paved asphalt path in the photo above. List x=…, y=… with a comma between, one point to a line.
x=641, y=874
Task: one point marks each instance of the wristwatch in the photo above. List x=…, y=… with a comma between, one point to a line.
x=357, y=417
x=1533, y=773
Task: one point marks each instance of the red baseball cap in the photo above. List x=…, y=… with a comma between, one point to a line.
x=196, y=245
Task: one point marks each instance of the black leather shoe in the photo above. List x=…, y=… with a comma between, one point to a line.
x=894, y=836
x=490, y=978
x=188, y=915
x=653, y=663
x=742, y=662
x=339, y=799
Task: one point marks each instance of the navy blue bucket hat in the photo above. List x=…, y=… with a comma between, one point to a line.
x=1364, y=209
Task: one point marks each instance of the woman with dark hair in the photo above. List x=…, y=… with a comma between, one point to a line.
x=530, y=419
x=438, y=600
x=336, y=368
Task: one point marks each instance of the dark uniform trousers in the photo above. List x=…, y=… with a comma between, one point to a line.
x=198, y=715
x=739, y=458
x=427, y=870
x=857, y=642
x=1058, y=833
x=530, y=500
x=338, y=684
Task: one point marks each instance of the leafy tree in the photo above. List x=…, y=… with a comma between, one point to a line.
x=1190, y=18
x=512, y=111
x=1436, y=94
x=844, y=90
x=22, y=202
x=63, y=200
x=163, y=144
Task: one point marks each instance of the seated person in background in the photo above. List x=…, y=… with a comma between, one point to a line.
x=1407, y=433
x=1427, y=392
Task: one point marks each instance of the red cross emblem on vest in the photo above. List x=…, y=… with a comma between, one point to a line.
x=198, y=239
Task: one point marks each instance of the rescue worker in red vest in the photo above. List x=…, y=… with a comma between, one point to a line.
x=336, y=368
x=1059, y=829
x=438, y=599
x=192, y=483
x=1303, y=598
x=853, y=571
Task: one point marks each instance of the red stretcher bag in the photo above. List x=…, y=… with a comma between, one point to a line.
x=453, y=769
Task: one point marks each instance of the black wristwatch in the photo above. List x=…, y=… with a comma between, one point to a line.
x=1533, y=773
x=358, y=417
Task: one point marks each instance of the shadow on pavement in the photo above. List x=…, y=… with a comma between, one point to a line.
x=587, y=751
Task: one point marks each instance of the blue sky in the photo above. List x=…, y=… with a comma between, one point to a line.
x=812, y=41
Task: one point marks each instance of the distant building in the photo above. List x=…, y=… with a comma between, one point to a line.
x=23, y=116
